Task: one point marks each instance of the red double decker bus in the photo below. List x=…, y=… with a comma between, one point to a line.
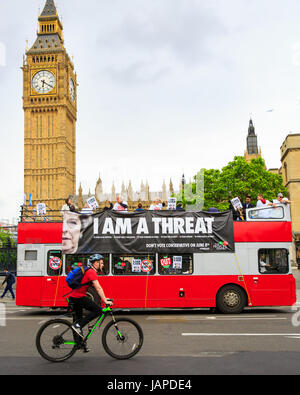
x=257, y=273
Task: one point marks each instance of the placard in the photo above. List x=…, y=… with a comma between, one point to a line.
x=92, y=202
x=41, y=209
x=136, y=265
x=236, y=203
x=172, y=201
x=166, y=262
x=177, y=262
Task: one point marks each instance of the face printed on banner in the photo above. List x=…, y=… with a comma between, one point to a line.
x=71, y=232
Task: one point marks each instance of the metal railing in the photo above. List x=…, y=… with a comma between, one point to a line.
x=29, y=214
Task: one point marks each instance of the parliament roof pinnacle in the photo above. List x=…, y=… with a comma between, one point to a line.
x=49, y=9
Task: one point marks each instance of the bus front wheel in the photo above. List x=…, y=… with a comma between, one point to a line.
x=231, y=299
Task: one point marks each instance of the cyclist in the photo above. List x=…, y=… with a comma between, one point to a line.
x=79, y=299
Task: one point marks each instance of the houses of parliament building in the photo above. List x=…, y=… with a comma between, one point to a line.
x=50, y=115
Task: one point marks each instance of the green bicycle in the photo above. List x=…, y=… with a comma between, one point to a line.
x=122, y=338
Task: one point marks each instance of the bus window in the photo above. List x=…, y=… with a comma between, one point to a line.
x=272, y=261
x=267, y=213
x=54, y=263
x=172, y=264
x=133, y=265
x=73, y=261
x=31, y=255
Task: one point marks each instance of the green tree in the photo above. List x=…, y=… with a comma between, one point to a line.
x=6, y=239
x=238, y=178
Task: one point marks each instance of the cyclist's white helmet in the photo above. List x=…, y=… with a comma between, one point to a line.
x=95, y=258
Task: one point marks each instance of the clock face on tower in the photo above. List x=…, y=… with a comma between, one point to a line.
x=43, y=82
x=72, y=89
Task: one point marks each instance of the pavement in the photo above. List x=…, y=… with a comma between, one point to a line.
x=7, y=298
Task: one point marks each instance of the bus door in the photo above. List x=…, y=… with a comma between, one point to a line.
x=273, y=285
x=174, y=280
x=53, y=279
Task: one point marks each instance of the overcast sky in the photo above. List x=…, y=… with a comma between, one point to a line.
x=165, y=86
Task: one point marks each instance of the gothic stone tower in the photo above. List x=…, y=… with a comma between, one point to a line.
x=290, y=170
x=252, y=151
x=50, y=107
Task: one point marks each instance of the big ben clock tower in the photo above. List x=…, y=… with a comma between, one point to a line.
x=50, y=107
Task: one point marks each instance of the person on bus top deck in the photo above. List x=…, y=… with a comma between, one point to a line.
x=140, y=208
x=68, y=206
x=78, y=297
x=179, y=207
x=247, y=205
x=235, y=214
x=280, y=200
x=120, y=205
x=261, y=202
x=86, y=209
x=157, y=205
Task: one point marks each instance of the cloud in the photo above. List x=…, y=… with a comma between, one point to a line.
x=145, y=45
x=140, y=71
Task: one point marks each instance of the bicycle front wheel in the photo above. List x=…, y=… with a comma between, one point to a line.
x=122, y=338
x=55, y=340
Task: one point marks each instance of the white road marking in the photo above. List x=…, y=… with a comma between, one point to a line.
x=241, y=334
x=217, y=318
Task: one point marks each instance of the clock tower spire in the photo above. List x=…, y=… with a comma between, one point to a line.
x=50, y=107
x=252, y=151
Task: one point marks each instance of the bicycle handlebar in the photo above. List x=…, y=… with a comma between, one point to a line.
x=110, y=300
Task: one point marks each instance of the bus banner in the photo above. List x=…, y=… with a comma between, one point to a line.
x=149, y=232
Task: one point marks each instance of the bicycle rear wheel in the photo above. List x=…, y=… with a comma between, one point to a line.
x=123, y=338
x=55, y=340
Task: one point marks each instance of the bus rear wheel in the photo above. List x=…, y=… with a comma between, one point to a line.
x=231, y=299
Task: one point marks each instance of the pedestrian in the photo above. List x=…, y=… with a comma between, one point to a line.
x=9, y=280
